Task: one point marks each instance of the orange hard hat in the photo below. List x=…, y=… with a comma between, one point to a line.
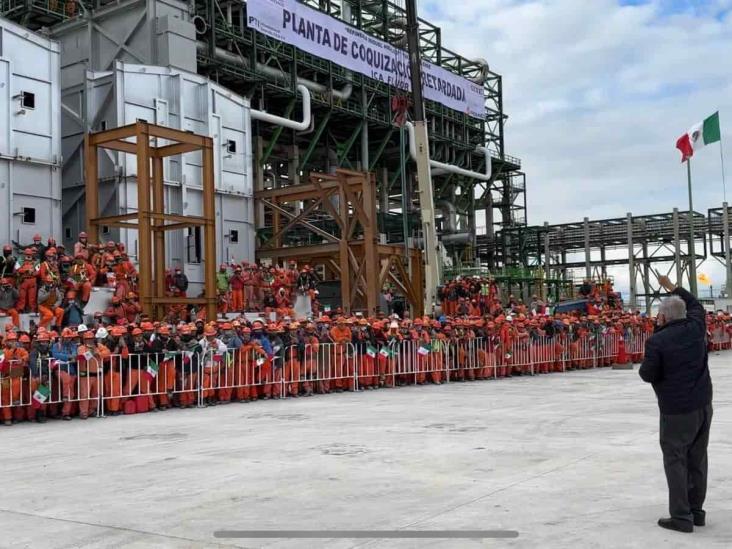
x=43, y=336
x=89, y=334
x=209, y=331
x=136, y=332
x=11, y=336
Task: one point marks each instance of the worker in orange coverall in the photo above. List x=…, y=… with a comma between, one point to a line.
x=341, y=369
x=49, y=300
x=91, y=356
x=13, y=388
x=27, y=275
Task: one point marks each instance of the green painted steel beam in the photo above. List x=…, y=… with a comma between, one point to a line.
x=305, y=159
x=278, y=131
x=345, y=148
x=380, y=150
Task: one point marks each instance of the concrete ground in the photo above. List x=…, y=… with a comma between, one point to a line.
x=566, y=460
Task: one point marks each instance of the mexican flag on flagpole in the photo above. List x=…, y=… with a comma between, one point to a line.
x=40, y=396
x=699, y=135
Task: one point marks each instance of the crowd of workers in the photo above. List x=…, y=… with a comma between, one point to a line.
x=134, y=364
x=56, y=283
x=480, y=296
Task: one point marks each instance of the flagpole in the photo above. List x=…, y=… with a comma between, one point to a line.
x=721, y=159
x=692, y=247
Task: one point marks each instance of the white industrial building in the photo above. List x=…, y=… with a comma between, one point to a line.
x=181, y=100
x=30, y=135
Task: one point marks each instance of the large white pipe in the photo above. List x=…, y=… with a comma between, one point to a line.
x=341, y=95
x=286, y=122
x=441, y=167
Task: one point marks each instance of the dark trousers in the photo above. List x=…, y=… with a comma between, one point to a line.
x=684, y=439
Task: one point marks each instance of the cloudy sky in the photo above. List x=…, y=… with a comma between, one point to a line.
x=598, y=91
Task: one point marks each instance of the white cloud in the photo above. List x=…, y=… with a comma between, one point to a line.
x=597, y=94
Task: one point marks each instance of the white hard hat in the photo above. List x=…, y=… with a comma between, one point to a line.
x=101, y=333
x=81, y=328
x=394, y=324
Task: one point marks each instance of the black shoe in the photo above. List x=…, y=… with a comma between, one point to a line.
x=700, y=518
x=676, y=524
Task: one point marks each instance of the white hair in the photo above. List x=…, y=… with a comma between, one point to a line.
x=673, y=308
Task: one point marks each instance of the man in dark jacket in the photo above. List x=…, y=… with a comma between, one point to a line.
x=676, y=364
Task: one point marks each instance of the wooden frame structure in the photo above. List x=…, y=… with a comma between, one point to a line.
x=346, y=202
x=150, y=219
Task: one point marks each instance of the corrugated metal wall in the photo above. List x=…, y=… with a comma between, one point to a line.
x=30, y=144
x=182, y=100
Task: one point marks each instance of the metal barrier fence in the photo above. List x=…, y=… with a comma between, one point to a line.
x=105, y=384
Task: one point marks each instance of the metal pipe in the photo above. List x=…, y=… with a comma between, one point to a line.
x=449, y=215
x=342, y=95
x=441, y=167
x=286, y=122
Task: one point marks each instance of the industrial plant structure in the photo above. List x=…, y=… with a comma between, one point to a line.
x=277, y=114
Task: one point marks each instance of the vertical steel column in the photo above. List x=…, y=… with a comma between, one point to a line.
x=371, y=256
x=144, y=227
x=631, y=262
x=209, y=230
x=158, y=231
x=646, y=272
x=92, y=189
x=727, y=265
x=426, y=200
x=588, y=266
x=343, y=250
x=677, y=248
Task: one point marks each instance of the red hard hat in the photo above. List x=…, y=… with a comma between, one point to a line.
x=7, y=248
x=222, y=267
x=28, y=251
x=82, y=234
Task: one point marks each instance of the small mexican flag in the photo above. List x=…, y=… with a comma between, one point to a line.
x=152, y=369
x=40, y=396
x=699, y=135
x=260, y=361
x=169, y=356
x=424, y=350
x=371, y=351
x=386, y=352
